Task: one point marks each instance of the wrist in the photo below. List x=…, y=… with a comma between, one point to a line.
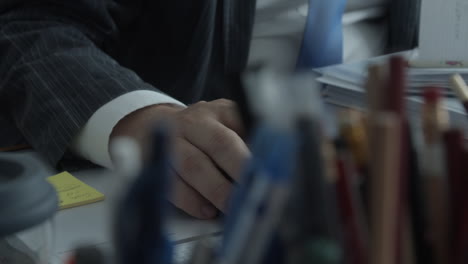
x=138, y=123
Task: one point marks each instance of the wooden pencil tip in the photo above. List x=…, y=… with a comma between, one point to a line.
x=459, y=87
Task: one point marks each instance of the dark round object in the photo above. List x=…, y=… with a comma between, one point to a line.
x=26, y=198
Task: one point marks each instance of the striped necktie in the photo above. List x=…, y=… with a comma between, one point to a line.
x=322, y=44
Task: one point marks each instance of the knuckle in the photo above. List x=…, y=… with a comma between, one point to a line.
x=200, y=104
x=224, y=101
x=192, y=117
x=221, y=141
x=188, y=118
x=195, y=113
x=224, y=106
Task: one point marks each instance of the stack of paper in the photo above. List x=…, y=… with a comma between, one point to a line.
x=353, y=76
x=344, y=85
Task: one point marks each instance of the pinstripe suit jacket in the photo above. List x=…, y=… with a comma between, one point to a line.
x=61, y=60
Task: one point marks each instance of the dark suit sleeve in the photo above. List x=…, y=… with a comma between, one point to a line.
x=53, y=72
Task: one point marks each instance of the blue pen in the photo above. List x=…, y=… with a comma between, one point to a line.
x=139, y=233
x=258, y=201
x=280, y=166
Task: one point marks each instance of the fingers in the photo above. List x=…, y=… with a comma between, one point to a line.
x=187, y=199
x=197, y=170
x=228, y=115
x=222, y=110
x=221, y=144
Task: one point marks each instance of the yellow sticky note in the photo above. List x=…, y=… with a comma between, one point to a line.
x=73, y=192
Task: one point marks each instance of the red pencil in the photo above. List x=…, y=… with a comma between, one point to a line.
x=351, y=208
x=435, y=120
x=461, y=253
x=453, y=140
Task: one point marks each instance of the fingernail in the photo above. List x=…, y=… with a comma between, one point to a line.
x=209, y=211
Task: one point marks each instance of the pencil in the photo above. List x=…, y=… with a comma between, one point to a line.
x=434, y=123
x=462, y=255
x=453, y=140
x=416, y=206
x=435, y=118
x=351, y=208
x=436, y=193
x=376, y=79
x=353, y=131
x=395, y=93
x=385, y=185
x=463, y=245
x=460, y=89
x=395, y=103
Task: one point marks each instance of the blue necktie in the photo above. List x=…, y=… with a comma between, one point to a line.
x=323, y=37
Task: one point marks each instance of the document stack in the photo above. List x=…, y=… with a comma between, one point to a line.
x=344, y=85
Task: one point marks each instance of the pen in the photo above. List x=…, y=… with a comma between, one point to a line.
x=270, y=214
x=139, y=224
x=460, y=89
x=255, y=215
x=126, y=157
x=126, y=160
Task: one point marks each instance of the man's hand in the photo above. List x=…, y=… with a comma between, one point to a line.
x=208, y=147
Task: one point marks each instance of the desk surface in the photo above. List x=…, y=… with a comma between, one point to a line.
x=92, y=223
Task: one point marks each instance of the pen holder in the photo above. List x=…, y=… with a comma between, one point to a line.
x=27, y=204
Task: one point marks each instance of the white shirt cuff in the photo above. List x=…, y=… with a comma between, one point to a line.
x=92, y=143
